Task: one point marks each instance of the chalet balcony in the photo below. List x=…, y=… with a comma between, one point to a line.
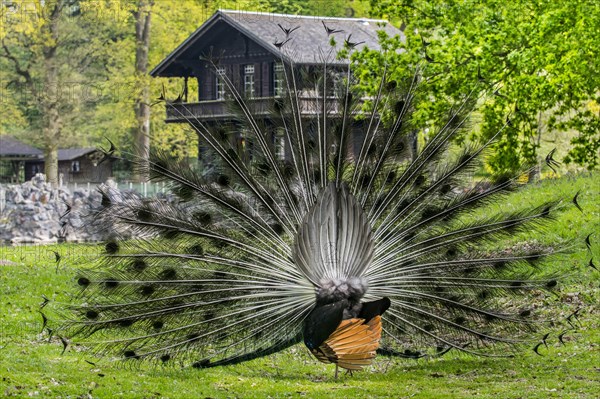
x=213, y=110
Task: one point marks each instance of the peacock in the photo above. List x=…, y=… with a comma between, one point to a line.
x=354, y=244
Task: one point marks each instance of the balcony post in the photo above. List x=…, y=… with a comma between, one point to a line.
x=185, y=89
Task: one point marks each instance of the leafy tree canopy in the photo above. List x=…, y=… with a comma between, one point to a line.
x=538, y=58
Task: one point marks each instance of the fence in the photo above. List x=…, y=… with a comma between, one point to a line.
x=2, y=200
x=145, y=189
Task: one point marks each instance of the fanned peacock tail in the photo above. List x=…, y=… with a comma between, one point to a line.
x=234, y=266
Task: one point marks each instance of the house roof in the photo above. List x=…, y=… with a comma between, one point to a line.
x=307, y=44
x=11, y=147
x=70, y=154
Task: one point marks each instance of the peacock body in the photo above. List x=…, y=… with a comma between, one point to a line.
x=348, y=243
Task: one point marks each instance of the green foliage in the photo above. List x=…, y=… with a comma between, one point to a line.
x=36, y=37
x=586, y=145
x=535, y=57
x=332, y=8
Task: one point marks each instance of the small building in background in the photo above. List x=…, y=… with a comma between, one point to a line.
x=19, y=162
x=83, y=165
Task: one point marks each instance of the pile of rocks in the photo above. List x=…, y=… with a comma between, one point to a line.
x=32, y=213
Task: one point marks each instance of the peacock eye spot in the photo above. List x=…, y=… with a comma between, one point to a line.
x=399, y=106
x=490, y=317
x=157, y=325
x=419, y=180
x=106, y=201
x=223, y=180
x=400, y=147
x=193, y=337
x=277, y=228
x=125, y=322
x=83, y=281
x=196, y=249
x=111, y=247
x=391, y=177
x=91, y=314
x=203, y=218
x=201, y=364
x=130, y=355
x=144, y=214
x=111, y=283
x=147, y=290
x=499, y=265
x=551, y=283
x=445, y=189
x=288, y=170
x=184, y=192
x=139, y=265
x=169, y=274
x=525, y=313
x=170, y=234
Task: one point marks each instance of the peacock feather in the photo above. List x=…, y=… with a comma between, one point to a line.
x=349, y=242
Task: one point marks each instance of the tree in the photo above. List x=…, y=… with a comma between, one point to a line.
x=332, y=8
x=46, y=48
x=535, y=56
x=139, y=34
x=32, y=43
x=141, y=137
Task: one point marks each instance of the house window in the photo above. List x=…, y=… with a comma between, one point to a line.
x=249, y=81
x=220, y=83
x=338, y=84
x=279, y=144
x=244, y=145
x=278, y=79
x=75, y=166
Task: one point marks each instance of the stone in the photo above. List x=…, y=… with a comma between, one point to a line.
x=32, y=212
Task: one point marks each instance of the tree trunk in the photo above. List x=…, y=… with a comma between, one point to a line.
x=51, y=163
x=141, y=134
x=49, y=99
x=534, y=173
x=413, y=144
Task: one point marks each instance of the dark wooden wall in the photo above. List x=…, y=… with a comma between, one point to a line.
x=87, y=171
x=232, y=50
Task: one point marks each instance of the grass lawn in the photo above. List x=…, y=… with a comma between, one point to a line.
x=32, y=365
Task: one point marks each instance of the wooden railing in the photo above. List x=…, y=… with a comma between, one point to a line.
x=259, y=107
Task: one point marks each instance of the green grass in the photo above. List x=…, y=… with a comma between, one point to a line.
x=32, y=365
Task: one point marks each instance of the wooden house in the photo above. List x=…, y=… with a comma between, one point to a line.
x=18, y=161
x=245, y=47
x=82, y=165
